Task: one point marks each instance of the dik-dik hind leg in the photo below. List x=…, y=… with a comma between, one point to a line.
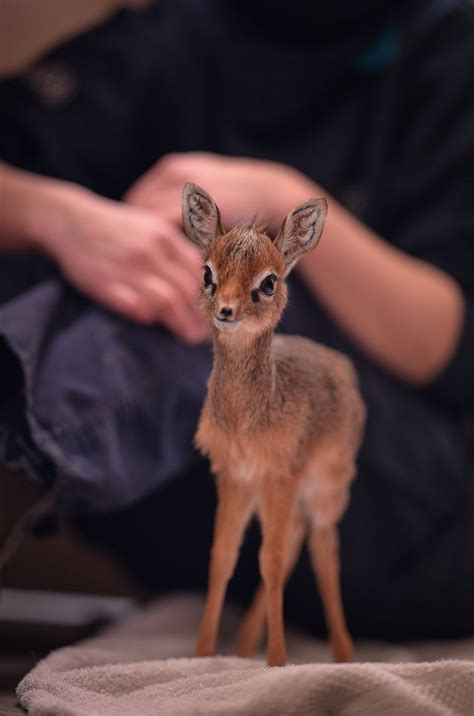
x=234, y=508
x=324, y=549
x=252, y=628
x=277, y=506
x=323, y=546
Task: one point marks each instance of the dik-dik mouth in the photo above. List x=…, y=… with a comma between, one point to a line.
x=226, y=324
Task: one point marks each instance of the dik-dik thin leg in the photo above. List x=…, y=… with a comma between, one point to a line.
x=323, y=546
x=324, y=549
x=277, y=505
x=234, y=508
x=252, y=628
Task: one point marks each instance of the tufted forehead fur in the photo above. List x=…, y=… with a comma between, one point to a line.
x=246, y=251
x=300, y=231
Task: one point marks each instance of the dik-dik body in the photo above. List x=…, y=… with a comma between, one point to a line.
x=281, y=423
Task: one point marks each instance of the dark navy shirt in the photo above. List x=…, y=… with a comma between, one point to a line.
x=390, y=131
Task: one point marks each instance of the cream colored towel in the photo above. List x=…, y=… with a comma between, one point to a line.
x=139, y=668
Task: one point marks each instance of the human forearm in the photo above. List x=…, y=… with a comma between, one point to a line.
x=405, y=312
x=33, y=209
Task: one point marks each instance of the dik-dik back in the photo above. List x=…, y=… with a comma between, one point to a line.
x=281, y=423
x=321, y=404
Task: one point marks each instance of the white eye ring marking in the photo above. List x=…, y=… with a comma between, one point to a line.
x=267, y=287
x=261, y=276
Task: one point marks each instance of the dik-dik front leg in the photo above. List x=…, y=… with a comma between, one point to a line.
x=252, y=628
x=277, y=505
x=234, y=508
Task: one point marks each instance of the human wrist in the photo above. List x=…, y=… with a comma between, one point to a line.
x=63, y=207
x=293, y=188
x=301, y=188
x=36, y=210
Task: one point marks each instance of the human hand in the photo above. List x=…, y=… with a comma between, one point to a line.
x=243, y=188
x=130, y=260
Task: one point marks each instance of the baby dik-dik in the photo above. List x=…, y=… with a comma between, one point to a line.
x=281, y=423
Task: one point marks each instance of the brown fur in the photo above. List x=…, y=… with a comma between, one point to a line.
x=281, y=425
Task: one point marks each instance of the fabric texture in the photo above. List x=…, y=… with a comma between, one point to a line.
x=141, y=667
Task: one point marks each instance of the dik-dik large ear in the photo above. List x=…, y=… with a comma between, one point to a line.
x=201, y=218
x=301, y=230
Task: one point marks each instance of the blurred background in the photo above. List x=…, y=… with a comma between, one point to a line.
x=55, y=590
x=31, y=27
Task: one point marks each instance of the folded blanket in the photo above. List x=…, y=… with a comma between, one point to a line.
x=140, y=668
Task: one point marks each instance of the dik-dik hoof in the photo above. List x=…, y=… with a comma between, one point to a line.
x=245, y=649
x=343, y=650
x=249, y=636
x=276, y=658
x=204, y=649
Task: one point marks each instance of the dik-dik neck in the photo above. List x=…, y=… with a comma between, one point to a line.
x=243, y=379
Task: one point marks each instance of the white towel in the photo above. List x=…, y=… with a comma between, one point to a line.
x=140, y=668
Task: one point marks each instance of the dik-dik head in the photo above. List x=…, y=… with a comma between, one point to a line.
x=244, y=269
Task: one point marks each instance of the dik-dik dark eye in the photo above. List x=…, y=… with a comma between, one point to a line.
x=268, y=285
x=209, y=278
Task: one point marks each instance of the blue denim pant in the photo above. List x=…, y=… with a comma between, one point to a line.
x=110, y=408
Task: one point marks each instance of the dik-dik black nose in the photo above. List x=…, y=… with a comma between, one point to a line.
x=226, y=312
